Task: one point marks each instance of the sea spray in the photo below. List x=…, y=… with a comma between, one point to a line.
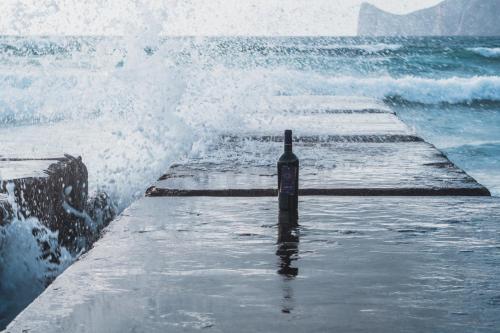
x=130, y=111
x=30, y=258
x=24, y=269
x=111, y=101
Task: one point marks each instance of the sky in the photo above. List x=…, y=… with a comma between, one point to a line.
x=190, y=17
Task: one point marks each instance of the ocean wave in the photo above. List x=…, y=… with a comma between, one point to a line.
x=25, y=269
x=487, y=52
x=368, y=48
x=325, y=49
x=377, y=47
x=455, y=90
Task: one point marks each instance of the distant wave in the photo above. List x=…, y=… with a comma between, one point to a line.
x=326, y=49
x=377, y=47
x=369, y=48
x=454, y=90
x=486, y=51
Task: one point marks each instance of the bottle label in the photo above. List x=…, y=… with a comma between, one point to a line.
x=288, y=176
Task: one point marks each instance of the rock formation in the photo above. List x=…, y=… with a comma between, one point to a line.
x=449, y=18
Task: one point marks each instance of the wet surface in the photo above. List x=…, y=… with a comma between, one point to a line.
x=346, y=146
x=367, y=123
x=24, y=168
x=249, y=164
x=349, y=265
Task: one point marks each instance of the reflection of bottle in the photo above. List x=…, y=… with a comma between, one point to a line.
x=288, y=243
x=288, y=177
x=288, y=254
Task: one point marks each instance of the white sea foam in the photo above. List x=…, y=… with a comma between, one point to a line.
x=488, y=52
x=413, y=89
x=121, y=120
x=368, y=48
x=24, y=269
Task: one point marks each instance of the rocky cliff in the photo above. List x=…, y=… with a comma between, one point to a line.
x=449, y=18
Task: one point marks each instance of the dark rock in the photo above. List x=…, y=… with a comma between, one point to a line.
x=44, y=196
x=6, y=211
x=57, y=196
x=101, y=210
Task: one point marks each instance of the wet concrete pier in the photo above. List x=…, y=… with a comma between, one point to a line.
x=224, y=260
x=346, y=147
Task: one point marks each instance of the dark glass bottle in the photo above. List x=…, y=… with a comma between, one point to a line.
x=288, y=177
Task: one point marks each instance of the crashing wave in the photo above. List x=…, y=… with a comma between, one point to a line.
x=455, y=90
x=36, y=246
x=27, y=263
x=487, y=52
x=121, y=120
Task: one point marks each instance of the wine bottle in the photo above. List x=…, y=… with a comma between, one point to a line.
x=288, y=177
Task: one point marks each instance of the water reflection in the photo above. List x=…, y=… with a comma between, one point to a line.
x=288, y=243
x=287, y=251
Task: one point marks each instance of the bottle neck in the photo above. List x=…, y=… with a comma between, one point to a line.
x=288, y=148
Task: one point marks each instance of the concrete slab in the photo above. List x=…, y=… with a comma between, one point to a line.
x=248, y=168
x=52, y=140
x=353, y=265
x=325, y=138
x=15, y=168
x=326, y=124
x=347, y=146
x=325, y=104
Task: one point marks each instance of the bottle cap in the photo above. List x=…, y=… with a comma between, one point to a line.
x=288, y=137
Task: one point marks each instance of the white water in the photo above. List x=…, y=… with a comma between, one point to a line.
x=24, y=274
x=23, y=270
x=377, y=47
x=488, y=52
x=453, y=90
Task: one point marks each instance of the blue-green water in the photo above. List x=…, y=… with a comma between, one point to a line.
x=147, y=102
x=448, y=89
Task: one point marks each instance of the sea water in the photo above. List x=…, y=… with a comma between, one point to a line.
x=132, y=106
